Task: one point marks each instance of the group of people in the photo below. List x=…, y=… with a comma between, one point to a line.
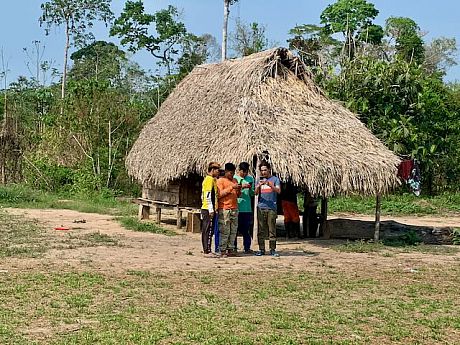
x=227, y=200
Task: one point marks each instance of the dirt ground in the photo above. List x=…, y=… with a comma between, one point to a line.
x=153, y=252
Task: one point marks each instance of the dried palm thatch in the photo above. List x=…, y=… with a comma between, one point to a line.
x=231, y=111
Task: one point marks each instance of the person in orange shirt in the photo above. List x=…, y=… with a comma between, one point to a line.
x=228, y=190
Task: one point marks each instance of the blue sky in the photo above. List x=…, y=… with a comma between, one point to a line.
x=19, y=25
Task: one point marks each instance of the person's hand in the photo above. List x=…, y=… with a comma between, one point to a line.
x=246, y=185
x=211, y=214
x=236, y=186
x=270, y=184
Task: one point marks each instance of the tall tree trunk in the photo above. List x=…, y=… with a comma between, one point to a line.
x=66, y=53
x=224, y=29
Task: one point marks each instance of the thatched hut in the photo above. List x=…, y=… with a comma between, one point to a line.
x=264, y=103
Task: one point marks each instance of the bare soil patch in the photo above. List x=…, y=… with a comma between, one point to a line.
x=121, y=250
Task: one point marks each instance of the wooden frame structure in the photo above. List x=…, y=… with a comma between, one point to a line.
x=183, y=195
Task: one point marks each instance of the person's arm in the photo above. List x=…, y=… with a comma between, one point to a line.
x=252, y=188
x=275, y=185
x=257, y=189
x=222, y=190
x=237, y=188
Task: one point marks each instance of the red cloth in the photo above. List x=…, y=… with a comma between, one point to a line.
x=290, y=211
x=405, y=169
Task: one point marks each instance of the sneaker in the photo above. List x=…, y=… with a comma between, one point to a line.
x=248, y=251
x=211, y=255
x=274, y=253
x=260, y=253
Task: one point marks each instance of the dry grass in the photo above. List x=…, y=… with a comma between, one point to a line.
x=266, y=102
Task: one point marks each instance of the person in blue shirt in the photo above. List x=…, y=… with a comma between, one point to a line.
x=267, y=188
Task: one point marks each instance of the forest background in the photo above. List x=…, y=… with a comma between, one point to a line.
x=72, y=135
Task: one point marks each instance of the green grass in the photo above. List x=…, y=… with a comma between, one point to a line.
x=405, y=204
x=21, y=196
x=392, y=248
x=228, y=307
x=322, y=304
x=20, y=238
x=132, y=223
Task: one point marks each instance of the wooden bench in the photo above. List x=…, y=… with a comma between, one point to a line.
x=146, y=204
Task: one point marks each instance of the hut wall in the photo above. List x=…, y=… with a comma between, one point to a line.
x=185, y=192
x=190, y=191
x=168, y=194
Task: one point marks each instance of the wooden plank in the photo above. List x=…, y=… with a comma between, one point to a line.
x=158, y=214
x=144, y=212
x=377, y=219
x=323, y=216
x=179, y=218
x=193, y=222
x=306, y=214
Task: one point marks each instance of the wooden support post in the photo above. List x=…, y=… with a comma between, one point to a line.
x=144, y=212
x=323, y=224
x=158, y=212
x=255, y=228
x=179, y=218
x=307, y=199
x=377, y=219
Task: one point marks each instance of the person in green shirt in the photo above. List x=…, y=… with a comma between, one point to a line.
x=245, y=216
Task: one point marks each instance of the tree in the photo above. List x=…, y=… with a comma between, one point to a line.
x=440, y=55
x=227, y=4
x=194, y=52
x=352, y=18
x=249, y=38
x=315, y=47
x=77, y=16
x=405, y=31
x=99, y=60
x=133, y=24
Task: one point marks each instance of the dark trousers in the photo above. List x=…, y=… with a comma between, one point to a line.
x=267, y=228
x=207, y=229
x=245, y=220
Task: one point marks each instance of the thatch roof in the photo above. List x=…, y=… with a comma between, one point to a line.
x=231, y=111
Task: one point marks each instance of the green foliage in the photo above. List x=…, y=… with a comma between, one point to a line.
x=409, y=45
x=456, y=236
x=395, y=87
x=411, y=238
x=98, y=60
x=15, y=194
x=45, y=174
x=413, y=112
x=248, y=38
x=104, y=202
x=404, y=204
x=131, y=223
x=77, y=15
x=348, y=16
x=132, y=26
x=352, y=18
